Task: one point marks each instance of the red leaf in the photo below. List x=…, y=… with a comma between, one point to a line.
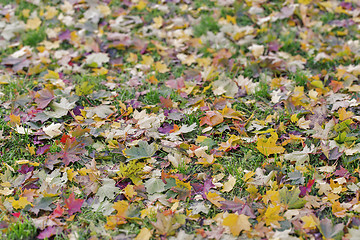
x=58, y=211
x=73, y=204
x=166, y=102
x=16, y=214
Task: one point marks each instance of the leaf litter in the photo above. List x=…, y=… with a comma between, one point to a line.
x=176, y=119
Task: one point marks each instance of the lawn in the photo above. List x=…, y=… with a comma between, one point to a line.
x=179, y=119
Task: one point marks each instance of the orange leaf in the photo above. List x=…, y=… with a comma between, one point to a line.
x=212, y=118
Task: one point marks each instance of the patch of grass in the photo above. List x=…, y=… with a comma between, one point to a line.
x=14, y=148
x=33, y=37
x=23, y=229
x=207, y=23
x=290, y=44
x=90, y=224
x=262, y=91
x=200, y=3
x=17, y=87
x=299, y=77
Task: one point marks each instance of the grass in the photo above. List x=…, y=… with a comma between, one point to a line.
x=34, y=37
x=207, y=23
x=22, y=229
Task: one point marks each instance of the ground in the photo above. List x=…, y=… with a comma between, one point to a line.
x=179, y=119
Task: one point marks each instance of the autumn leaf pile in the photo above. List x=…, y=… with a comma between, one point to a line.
x=179, y=119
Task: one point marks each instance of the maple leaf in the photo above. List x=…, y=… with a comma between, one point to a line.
x=214, y=198
x=272, y=216
x=267, y=146
x=97, y=59
x=237, y=206
x=237, y=223
x=70, y=151
x=229, y=185
x=107, y=190
x=60, y=109
x=183, y=189
x=309, y=222
x=53, y=130
x=21, y=203
x=122, y=208
x=166, y=224
x=144, y=234
x=154, y=185
x=161, y=67
x=291, y=198
x=102, y=111
x=144, y=150
x=44, y=97
x=211, y=118
x=73, y=205
x=166, y=102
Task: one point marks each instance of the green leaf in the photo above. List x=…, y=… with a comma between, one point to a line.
x=108, y=190
x=291, y=198
x=144, y=150
x=154, y=185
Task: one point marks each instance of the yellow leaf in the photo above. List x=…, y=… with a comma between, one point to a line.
x=20, y=162
x=51, y=75
x=309, y=222
x=33, y=23
x=50, y=12
x=26, y=13
x=305, y=2
x=141, y=5
x=271, y=195
x=214, y=198
x=147, y=60
x=71, y=173
x=21, y=203
x=248, y=175
x=338, y=210
x=200, y=139
x=252, y=190
x=100, y=72
x=268, y=146
x=231, y=19
x=343, y=114
x=294, y=118
x=121, y=207
x=31, y=149
x=133, y=58
x=129, y=191
x=229, y=185
x=272, y=215
x=104, y=9
x=161, y=67
x=237, y=223
x=158, y=22
x=144, y=234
